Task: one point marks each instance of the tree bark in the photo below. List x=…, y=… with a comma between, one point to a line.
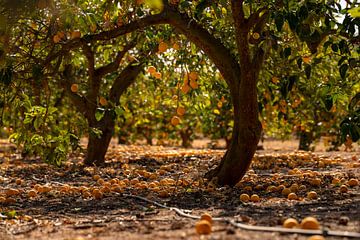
x=98, y=145
x=245, y=136
x=305, y=141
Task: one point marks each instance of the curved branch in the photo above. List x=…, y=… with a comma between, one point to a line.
x=113, y=66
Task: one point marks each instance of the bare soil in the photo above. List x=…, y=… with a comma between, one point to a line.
x=65, y=206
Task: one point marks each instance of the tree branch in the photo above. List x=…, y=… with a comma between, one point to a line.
x=79, y=101
x=255, y=17
x=123, y=81
x=113, y=66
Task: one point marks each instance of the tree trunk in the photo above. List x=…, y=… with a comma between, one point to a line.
x=305, y=141
x=98, y=145
x=245, y=136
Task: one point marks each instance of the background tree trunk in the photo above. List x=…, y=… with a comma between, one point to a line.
x=98, y=145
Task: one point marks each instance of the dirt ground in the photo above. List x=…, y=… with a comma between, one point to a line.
x=38, y=201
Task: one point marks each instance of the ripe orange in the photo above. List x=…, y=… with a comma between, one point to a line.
x=157, y=75
x=206, y=217
x=103, y=101
x=97, y=194
x=290, y=223
x=162, y=47
x=343, y=189
x=306, y=59
x=18, y=181
x=203, y=227
x=175, y=120
x=74, y=88
x=255, y=198
x=193, y=75
x=32, y=193
x=151, y=69
x=244, y=197
x=96, y=177
x=353, y=182
x=310, y=223
x=316, y=237
x=292, y=196
x=180, y=111
x=185, y=89
x=194, y=84
x=56, y=38
x=219, y=104
x=256, y=35
x=312, y=195
x=75, y=34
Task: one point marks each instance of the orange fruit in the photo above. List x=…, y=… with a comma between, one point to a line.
x=256, y=35
x=220, y=104
x=290, y=223
x=193, y=75
x=12, y=192
x=103, y=101
x=56, y=38
x=185, y=89
x=312, y=195
x=180, y=111
x=206, y=217
x=151, y=69
x=316, y=237
x=61, y=34
x=32, y=193
x=175, y=120
x=306, y=59
x=292, y=196
x=310, y=223
x=75, y=34
x=97, y=194
x=74, y=88
x=244, y=197
x=194, y=84
x=353, y=182
x=255, y=198
x=96, y=177
x=343, y=189
x=18, y=181
x=162, y=47
x=157, y=75
x=203, y=227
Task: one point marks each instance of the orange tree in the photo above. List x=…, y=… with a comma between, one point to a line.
x=237, y=36
x=48, y=52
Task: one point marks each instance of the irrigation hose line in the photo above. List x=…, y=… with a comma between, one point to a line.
x=242, y=226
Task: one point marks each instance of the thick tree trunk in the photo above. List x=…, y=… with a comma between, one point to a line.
x=245, y=136
x=305, y=141
x=98, y=145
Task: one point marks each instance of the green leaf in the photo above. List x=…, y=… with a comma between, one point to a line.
x=354, y=12
x=328, y=102
x=354, y=102
x=99, y=114
x=343, y=69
